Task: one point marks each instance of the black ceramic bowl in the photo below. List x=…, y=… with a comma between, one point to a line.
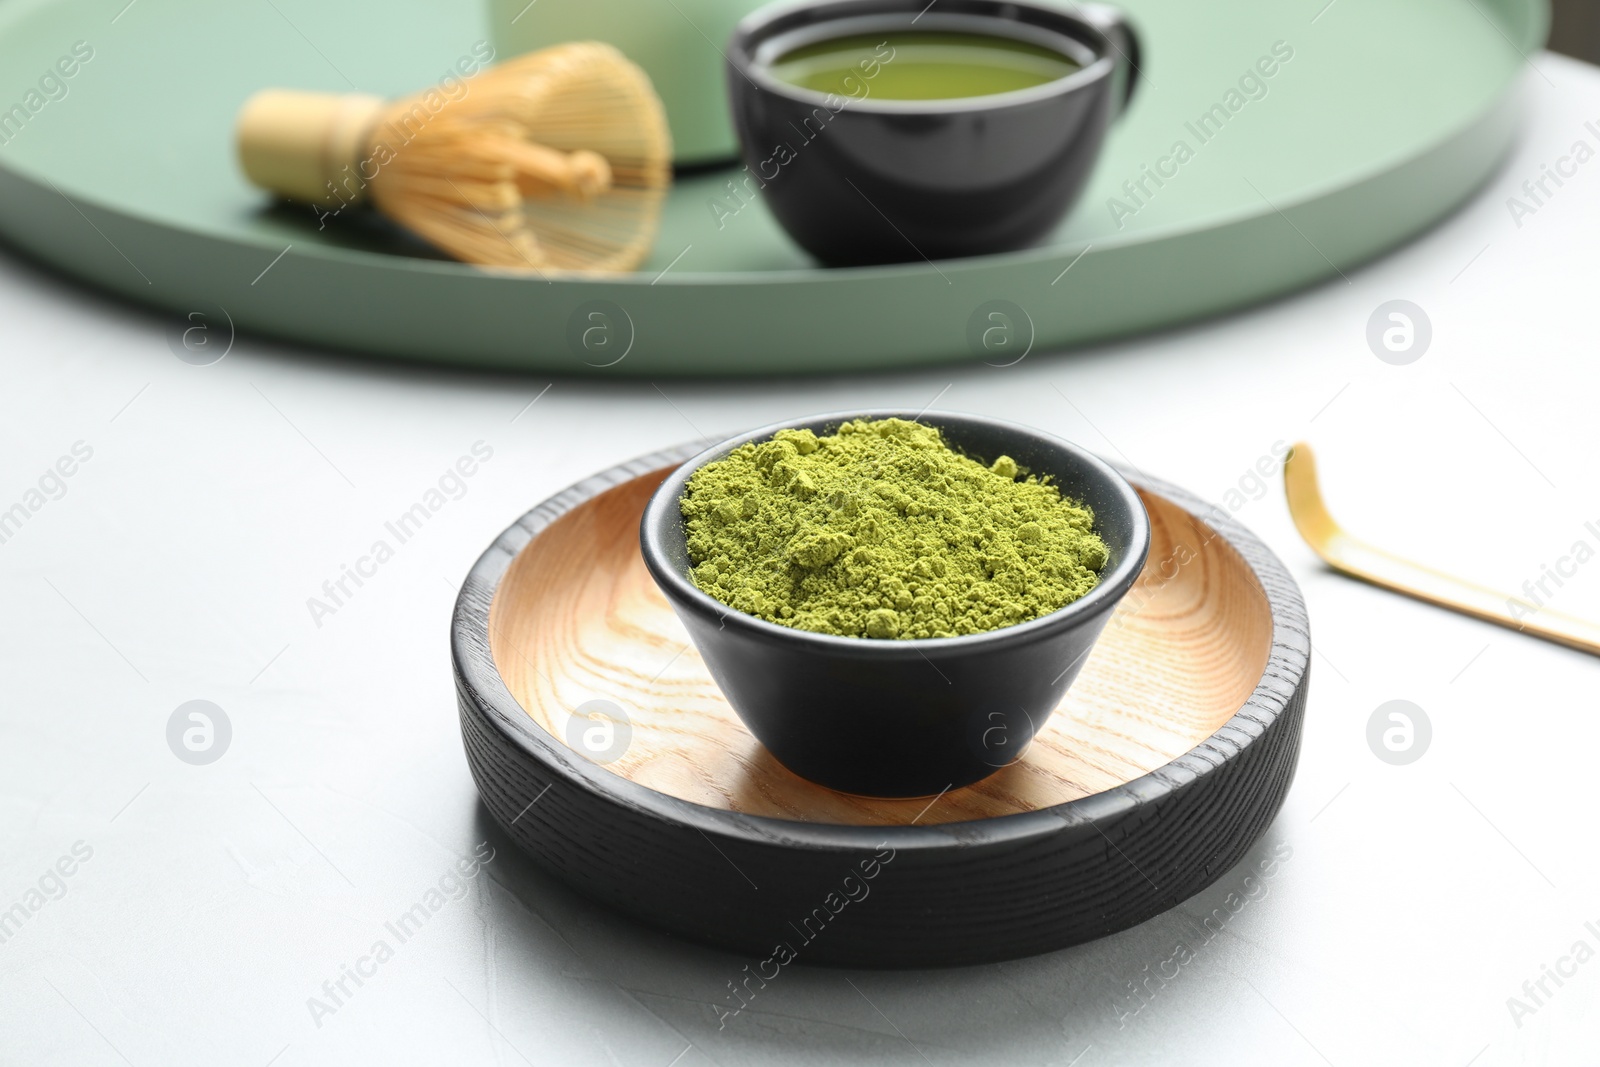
x=859, y=179
x=906, y=718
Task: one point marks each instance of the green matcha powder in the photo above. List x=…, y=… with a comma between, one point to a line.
x=882, y=530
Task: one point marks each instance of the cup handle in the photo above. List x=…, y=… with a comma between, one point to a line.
x=1112, y=22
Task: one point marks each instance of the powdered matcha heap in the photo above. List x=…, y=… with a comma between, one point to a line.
x=883, y=531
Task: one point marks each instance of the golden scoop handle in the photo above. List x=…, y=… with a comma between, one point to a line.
x=1360, y=560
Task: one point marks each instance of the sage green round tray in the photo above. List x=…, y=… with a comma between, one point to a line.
x=1387, y=115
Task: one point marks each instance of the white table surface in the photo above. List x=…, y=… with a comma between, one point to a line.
x=1415, y=900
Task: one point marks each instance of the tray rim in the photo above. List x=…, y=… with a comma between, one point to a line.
x=480, y=684
x=720, y=322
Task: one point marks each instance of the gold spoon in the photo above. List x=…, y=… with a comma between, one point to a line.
x=1361, y=560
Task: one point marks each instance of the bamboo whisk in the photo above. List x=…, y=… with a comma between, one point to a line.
x=557, y=160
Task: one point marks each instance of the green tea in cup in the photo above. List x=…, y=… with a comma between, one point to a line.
x=882, y=131
x=921, y=65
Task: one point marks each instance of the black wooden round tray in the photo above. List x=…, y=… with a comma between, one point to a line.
x=600, y=745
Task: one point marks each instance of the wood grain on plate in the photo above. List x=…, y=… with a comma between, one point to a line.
x=578, y=618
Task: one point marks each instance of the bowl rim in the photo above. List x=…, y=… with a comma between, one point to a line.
x=1114, y=583
x=482, y=693
x=751, y=32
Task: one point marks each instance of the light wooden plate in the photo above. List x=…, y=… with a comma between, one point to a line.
x=577, y=618
x=1164, y=763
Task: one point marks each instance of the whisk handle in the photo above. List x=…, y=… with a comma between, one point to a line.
x=307, y=146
